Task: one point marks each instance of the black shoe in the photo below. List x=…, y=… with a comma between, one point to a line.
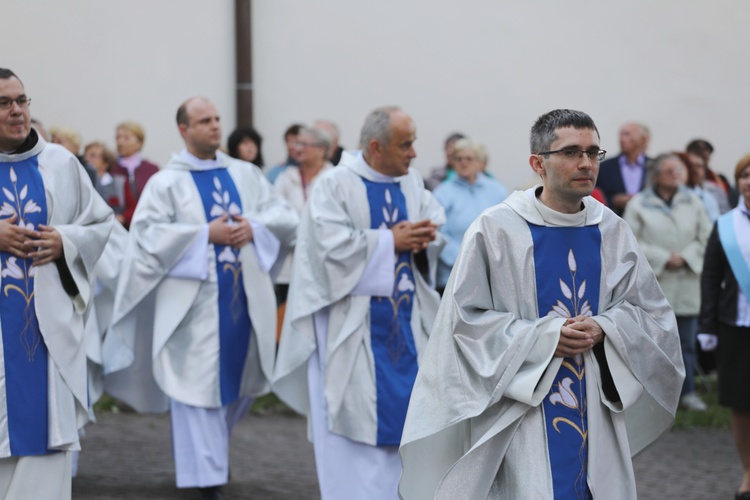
x=745, y=495
x=211, y=493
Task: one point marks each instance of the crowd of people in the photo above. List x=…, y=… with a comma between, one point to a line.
x=444, y=337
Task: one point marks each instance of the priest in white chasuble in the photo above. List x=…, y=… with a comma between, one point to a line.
x=360, y=307
x=205, y=234
x=555, y=355
x=53, y=228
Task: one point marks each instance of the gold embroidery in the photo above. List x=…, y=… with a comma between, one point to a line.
x=395, y=343
x=579, y=306
x=230, y=256
x=30, y=338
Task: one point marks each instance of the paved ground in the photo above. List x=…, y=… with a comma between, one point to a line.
x=129, y=456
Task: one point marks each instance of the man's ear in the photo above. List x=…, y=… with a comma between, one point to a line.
x=182, y=128
x=374, y=150
x=537, y=165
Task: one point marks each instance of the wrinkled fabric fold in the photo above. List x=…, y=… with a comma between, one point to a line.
x=487, y=365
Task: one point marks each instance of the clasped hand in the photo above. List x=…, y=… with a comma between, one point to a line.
x=415, y=237
x=42, y=246
x=578, y=335
x=235, y=232
x=675, y=261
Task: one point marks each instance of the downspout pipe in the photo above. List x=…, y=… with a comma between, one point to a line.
x=244, y=62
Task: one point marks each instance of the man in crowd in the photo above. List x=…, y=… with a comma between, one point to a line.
x=206, y=232
x=360, y=307
x=443, y=172
x=330, y=128
x=53, y=227
x=552, y=334
x=728, y=196
x=625, y=175
x=290, y=141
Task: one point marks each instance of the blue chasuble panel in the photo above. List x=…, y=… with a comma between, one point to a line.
x=24, y=350
x=219, y=196
x=567, y=263
x=391, y=337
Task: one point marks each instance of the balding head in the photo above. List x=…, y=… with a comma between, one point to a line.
x=634, y=139
x=200, y=127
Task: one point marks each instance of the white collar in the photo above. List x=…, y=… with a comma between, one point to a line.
x=200, y=163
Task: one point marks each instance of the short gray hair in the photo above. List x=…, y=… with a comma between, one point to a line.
x=654, y=167
x=328, y=126
x=543, y=132
x=377, y=126
x=320, y=136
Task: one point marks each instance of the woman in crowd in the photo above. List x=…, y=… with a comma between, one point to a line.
x=130, y=163
x=696, y=180
x=464, y=196
x=725, y=312
x=244, y=143
x=293, y=184
x=710, y=194
x=71, y=140
x=672, y=228
x=113, y=188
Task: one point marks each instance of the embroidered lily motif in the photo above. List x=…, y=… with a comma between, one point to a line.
x=405, y=284
x=228, y=255
x=577, y=308
x=395, y=343
x=12, y=270
x=222, y=204
x=570, y=389
x=565, y=395
x=390, y=213
x=18, y=276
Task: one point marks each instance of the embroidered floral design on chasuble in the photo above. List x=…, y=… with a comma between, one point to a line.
x=568, y=268
x=20, y=275
x=404, y=289
x=25, y=357
x=229, y=256
x=570, y=395
x=391, y=336
x=220, y=197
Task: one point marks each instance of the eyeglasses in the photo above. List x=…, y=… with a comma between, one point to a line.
x=23, y=102
x=305, y=145
x=594, y=154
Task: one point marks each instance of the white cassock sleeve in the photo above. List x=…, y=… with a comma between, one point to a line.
x=194, y=263
x=378, y=279
x=265, y=244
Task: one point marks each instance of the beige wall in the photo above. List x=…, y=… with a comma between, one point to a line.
x=489, y=69
x=485, y=68
x=91, y=64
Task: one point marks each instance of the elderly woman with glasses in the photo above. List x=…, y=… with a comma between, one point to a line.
x=725, y=312
x=464, y=197
x=672, y=227
x=294, y=184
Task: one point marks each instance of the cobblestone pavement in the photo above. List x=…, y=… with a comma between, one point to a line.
x=130, y=456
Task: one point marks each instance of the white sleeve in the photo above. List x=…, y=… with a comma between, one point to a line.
x=266, y=245
x=378, y=278
x=194, y=263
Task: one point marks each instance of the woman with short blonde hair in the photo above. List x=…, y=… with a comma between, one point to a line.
x=129, y=138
